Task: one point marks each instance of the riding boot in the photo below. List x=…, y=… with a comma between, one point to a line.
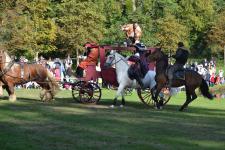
x=170, y=83
x=170, y=77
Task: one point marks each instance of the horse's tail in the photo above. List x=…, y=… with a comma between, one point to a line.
x=54, y=86
x=205, y=90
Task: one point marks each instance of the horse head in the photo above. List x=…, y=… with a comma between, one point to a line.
x=110, y=60
x=5, y=59
x=115, y=58
x=155, y=55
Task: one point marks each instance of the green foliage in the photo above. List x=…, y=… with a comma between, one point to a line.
x=26, y=29
x=216, y=34
x=41, y=26
x=170, y=32
x=79, y=23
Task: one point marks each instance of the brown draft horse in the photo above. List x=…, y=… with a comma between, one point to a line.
x=192, y=80
x=12, y=74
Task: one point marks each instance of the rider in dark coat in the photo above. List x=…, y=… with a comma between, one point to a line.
x=140, y=68
x=181, y=57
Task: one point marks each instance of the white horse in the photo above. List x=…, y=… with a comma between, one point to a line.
x=123, y=79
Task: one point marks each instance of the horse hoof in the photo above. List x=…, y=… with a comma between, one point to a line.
x=121, y=106
x=157, y=108
x=184, y=109
x=111, y=106
x=12, y=98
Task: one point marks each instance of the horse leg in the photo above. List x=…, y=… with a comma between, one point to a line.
x=118, y=93
x=45, y=93
x=10, y=90
x=123, y=100
x=156, y=90
x=48, y=95
x=42, y=94
x=190, y=96
x=1, y=88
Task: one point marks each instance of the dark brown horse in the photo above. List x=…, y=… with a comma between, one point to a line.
x=12, y=74
x=191, y=81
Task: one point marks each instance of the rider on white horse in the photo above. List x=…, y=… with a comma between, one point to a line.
x=139, y=69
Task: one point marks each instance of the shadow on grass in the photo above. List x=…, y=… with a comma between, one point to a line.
x=65, y=124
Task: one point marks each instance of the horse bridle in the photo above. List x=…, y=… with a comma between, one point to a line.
x=7, y=68
x=9, y=65
x=111, y=64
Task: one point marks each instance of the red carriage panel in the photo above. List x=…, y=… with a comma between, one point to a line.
x=109, y=76
x=91, y=73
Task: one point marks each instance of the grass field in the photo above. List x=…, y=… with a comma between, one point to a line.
x=30, y=124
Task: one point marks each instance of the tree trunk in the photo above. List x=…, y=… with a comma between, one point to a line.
x=134, y=5
x=77, y=57
x=124, y=8
x=224, y=54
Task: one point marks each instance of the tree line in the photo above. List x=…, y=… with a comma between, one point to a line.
x=29, y=27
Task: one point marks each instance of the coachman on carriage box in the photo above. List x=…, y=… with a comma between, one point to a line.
x=92, y=58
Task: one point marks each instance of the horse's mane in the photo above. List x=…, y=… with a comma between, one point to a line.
x=165, y=58
x=161, y=60
x=117, y=53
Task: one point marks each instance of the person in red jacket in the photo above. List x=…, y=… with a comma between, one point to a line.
x=92, y=58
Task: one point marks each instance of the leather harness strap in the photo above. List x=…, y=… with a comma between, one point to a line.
x=7, y=68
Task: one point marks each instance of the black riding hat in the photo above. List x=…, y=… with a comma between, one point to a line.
x=180, y=44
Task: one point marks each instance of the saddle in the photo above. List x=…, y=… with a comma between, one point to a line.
x=134, y=69
x=178, y=74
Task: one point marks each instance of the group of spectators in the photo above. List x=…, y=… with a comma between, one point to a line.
x=209, y=71
x=62, y=71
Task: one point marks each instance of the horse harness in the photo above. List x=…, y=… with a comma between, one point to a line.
x=7, y=68
x=116, y=61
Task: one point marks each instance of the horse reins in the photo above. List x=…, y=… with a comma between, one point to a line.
x=118, y=61
x=7, y=68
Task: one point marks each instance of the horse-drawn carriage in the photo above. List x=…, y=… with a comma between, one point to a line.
x=86, y=90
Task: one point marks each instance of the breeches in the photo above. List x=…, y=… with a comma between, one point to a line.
x=173, y=69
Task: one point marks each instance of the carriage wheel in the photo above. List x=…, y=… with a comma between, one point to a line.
x=146, y=97
x=86, y=92
x=96, y=93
